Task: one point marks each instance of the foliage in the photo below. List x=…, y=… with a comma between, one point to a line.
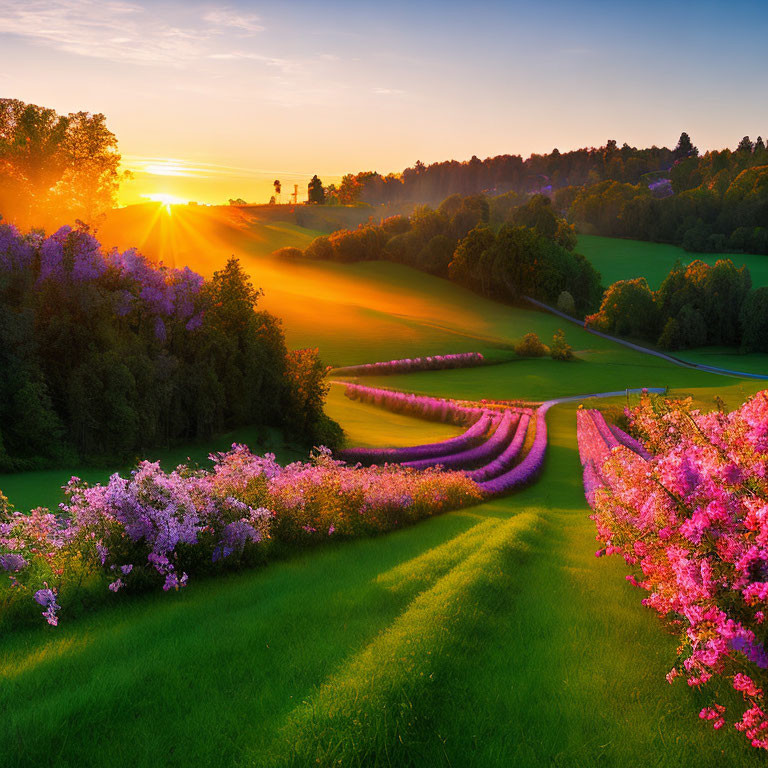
x=104, y=354
x=55, y=167
x=560, y=349
x=531, y=346
x=689, y=517
x=565, y=303
x=627, y=309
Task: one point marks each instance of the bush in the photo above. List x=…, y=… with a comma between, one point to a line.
x=288, y=253
x=565, y=303
x=560, y=349
x=530, y=346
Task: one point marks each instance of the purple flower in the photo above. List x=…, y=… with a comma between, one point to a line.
x=12, y=562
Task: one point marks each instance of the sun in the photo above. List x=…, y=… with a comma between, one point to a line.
x=165, y=199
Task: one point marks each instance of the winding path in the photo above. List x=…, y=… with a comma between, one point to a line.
x=647, y=350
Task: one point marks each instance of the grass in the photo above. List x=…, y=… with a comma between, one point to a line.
x=491, y=636
x=486, y=637
x=26, y=490
x=618, y=259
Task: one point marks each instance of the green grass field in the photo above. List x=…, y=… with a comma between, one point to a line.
x=491, y=636
x=618, y=259
x=487, y=637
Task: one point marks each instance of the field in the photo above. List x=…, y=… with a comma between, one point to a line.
x=618, y=259
x=486, y=637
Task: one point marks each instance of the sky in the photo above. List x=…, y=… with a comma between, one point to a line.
x=214, y=100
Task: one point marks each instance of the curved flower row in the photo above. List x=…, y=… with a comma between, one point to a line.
x=528, y=469
x=689, y=512
x=508, y=456
x=421, y=406
x=505, y=427
x=433, y=363
x=418, y=452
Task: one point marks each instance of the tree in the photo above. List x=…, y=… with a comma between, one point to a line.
x=745, y=146
x=628, y=309
x=278, y=188
x=754, y=321
x=565, y=303
x=315, y=191
x=685, y=148
x=53, y=167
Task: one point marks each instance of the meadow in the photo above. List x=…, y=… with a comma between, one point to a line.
x=485, y=636
x=619, y=259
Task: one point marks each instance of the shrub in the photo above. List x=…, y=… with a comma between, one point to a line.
x=560, y=349
x=530, y=346
x=288, y=253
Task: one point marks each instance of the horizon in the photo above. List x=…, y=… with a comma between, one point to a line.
x=213, y=101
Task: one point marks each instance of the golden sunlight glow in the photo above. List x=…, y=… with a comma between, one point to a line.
x=169, y=168
x=166, y=200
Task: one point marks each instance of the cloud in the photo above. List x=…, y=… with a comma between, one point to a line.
x=388, y=92
x=226, y=18
x=123, y=31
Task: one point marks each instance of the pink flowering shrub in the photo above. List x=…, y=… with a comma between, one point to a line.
x=432, y=363
x=693, y=523
x=158, y=528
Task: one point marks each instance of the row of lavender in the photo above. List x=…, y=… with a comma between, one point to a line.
x=410, y=364
x=688, y=511
x=488, y=451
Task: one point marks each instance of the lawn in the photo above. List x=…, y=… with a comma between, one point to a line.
x=491, y=636
x=618, y=259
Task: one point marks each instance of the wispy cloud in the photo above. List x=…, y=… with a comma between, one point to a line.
x=388, y=92
x=227, y=19
x=124, y=31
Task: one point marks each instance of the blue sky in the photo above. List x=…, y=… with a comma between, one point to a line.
x=240, y=91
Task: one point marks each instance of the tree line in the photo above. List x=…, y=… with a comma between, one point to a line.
x=105, y=355
x=695, y=306
x=529, y=254
x=717, y=202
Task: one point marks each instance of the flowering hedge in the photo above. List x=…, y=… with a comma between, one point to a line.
x=158, y=528
x=485, y=452
x=416, y=452
x=693, y=524
x=434, y=363
x=421, y=406
x=528, y=469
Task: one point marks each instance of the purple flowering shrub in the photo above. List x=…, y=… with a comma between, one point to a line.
x=158, y=529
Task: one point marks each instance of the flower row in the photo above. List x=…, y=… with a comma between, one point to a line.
x=687, y=510
x=159, y=528
x=433, y=363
